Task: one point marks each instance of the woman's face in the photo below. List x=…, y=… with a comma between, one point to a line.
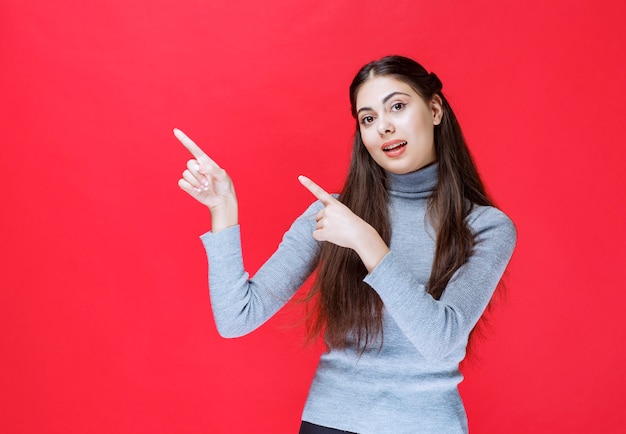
x=397, y=125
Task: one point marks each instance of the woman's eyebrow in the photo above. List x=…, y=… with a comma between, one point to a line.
x=385, y=99
x=392, y=94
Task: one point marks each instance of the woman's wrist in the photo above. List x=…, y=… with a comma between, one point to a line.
x=225, y=215
x=371, y=248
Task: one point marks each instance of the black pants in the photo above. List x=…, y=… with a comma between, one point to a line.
x=311, y=428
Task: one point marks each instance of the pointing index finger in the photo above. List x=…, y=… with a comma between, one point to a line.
x=316, y=190
x=189, y=144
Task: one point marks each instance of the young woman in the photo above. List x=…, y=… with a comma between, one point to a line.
x=407, y=258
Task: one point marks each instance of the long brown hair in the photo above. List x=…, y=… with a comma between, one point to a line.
x=345, y=309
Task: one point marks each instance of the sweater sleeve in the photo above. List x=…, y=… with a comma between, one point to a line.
x=240, y=304
x=437, y=327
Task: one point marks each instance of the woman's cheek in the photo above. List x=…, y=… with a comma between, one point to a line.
x=369, y=139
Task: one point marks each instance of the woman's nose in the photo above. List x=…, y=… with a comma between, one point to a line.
x=385, y=126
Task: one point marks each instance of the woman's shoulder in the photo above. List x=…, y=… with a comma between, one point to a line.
x=490, y=218
x=306, y=220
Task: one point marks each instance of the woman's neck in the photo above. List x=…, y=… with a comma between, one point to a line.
x=418, y=184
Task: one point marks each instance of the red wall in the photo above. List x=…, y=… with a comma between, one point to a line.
x=105, y=319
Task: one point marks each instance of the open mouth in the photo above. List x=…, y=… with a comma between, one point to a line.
x=394, y=146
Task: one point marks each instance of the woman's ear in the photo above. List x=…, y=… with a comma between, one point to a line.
x=436, y=105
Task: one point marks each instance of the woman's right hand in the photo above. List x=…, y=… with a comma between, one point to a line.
x=209, y=184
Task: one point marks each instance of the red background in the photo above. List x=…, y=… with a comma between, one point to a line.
x=105, y=319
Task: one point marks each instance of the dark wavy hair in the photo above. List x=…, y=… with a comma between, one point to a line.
x=347, y=311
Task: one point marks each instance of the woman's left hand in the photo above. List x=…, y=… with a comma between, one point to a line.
x=337, y=224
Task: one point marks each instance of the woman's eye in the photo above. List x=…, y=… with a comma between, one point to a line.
x=397, y=106
x=366, y=120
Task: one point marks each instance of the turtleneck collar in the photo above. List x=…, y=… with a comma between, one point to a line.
x=419, y=184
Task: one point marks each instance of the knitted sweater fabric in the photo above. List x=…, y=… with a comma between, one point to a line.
x=410, y=383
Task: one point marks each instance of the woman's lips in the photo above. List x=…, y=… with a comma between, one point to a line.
x=394, y=148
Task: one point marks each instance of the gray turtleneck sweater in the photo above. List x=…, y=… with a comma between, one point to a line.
x=409, y=385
